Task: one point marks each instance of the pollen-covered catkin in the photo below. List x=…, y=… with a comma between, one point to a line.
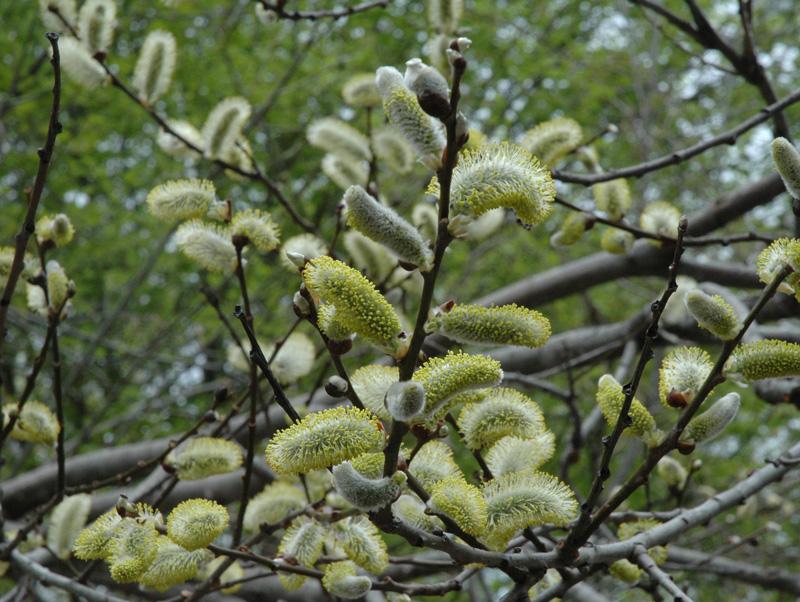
x=763, y=359
x=382, y=224
x=324, y=439
x=500, y=175
x=713, y=314
x=504, y=325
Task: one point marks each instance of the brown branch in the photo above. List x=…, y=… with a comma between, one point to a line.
x=29, y=224
x=278, y=10
x=679, y=156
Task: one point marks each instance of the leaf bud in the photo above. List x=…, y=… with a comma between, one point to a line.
x=336, y=387
x=404, y=400
x=430, y=86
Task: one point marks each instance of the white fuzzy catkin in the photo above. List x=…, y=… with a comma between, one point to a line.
x=224, y=125
x=403, y=110
x=53, y=22
x=384, y=225
x=173, y=146
x=78, y=64
x=344, y=172
x=153, y=73
x=96, y=24
x=787, y=162
x=338, y=137
x=713, y=421
x=365, y=494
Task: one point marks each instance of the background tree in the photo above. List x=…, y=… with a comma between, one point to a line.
x=681, y=99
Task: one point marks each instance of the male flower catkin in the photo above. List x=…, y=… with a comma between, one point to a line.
x=403, y=111
x=500, y=175
x=787, y=162
x=78, y=63
x=172, y=565
x=613, y=197
x=257, y=228
x=273, y=503
x=131, y=550
x=525, y=499
x=303, y=541
x=224, y=125
x=202, y=457
x=782, y=252
x=382, y=224
x=209, y=245
x=713, y=421
x=194, y=524
x=324, y=439
x=505, y=325
x=713, y=314
x=341, y=580
x=96, y=24
x=338, y=137
x=460, y=501
x=763, y=359
x=152, y=75
x=35, y=423
x=66, y=522
x=433, y=463
x=504, y=412
x=363, y=544
x=551, y=140
x=360, y=307
x=181, y=199
x=684, y=370
x=517, y=454
x=660, y=218
x=361, y=90
x=610, y=398
x=617, y=241
x=445, y=377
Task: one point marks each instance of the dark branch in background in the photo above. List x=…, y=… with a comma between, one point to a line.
x=679, y=156
x=29, y=224
x=682, y=559
x=579, y=534
x=278, y=10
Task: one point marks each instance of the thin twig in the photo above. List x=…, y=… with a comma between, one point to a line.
x=278, y=10
x=29, y=223
x=679, y=156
